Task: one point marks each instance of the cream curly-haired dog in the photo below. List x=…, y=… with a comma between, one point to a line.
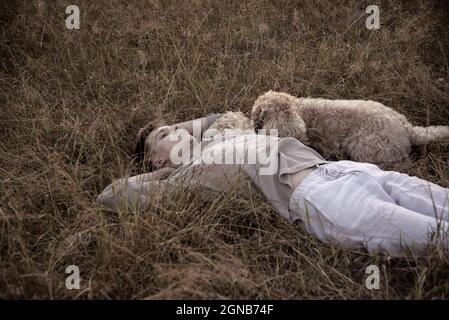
x=365, y=130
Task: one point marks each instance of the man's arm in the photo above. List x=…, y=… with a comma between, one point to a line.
x=203, y=124
x=135, y=192
x=160, y=174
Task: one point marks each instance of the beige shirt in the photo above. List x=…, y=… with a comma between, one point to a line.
x=269, y=162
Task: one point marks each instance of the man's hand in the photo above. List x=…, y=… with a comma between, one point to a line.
x=163, y=173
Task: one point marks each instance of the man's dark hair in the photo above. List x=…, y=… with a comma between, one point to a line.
x=139, y=149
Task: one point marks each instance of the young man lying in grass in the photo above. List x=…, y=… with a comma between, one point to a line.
x=351, y=204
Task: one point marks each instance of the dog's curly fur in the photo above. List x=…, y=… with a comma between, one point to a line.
x=235, y=120
x=364, y=130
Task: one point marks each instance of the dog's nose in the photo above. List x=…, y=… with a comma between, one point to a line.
x=258, y=124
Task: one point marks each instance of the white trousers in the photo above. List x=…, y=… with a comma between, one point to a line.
x=358, y=205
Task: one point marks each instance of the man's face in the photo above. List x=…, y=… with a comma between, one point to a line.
x=161, y=141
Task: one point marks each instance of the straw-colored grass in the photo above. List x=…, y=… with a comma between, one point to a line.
x=71, y=103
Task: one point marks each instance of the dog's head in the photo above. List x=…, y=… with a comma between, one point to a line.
x=278, y=110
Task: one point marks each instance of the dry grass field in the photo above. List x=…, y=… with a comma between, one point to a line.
x=71, y=102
